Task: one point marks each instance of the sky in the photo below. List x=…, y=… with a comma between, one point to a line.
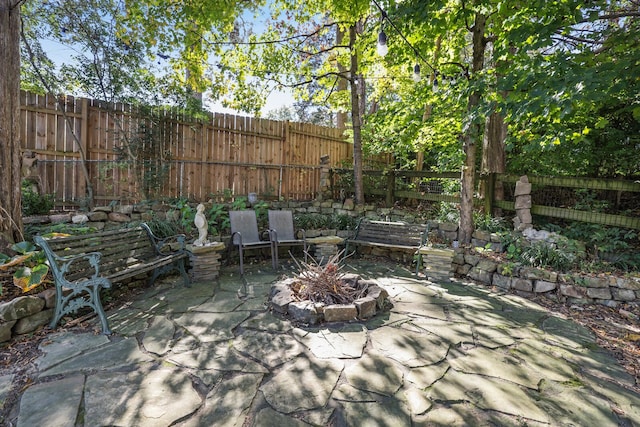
x=61, y=53
x=275, y=100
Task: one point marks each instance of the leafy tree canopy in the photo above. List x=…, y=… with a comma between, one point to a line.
x=561, y=72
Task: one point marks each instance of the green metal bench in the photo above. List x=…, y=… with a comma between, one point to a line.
x=83, y=265
x=392, y=235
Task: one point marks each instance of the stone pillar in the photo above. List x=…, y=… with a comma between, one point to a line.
x=437, y=263
x=325, y=247
x=324, y=192
x=205, y=261
x=523, y=219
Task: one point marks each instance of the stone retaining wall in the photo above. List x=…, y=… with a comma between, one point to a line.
x=570, y=287
x=26, y=314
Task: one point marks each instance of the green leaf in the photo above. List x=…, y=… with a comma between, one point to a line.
x=23, y=247
x=28, y=278
x=601, y=123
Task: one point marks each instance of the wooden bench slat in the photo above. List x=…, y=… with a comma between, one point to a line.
x=383, y=245
x=390, y=235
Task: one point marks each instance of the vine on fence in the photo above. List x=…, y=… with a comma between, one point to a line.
x=146, y=152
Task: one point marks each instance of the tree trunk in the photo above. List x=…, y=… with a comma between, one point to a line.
x=493, y=155
x=471, y=136
x=10, y=191
x=341, y=116
x=356, y=121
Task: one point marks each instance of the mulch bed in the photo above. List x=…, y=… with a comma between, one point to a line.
x=616, y=329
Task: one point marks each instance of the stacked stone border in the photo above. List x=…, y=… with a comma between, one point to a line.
x=282, y=301
x=25, y=314
x=573, y=288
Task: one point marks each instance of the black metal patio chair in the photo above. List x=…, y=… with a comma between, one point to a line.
x=283, y=234
x=244, y=235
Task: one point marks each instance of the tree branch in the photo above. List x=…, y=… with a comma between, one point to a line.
x=575, y=38
x=303, y=36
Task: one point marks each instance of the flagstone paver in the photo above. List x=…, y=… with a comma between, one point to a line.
x=391, y=412
x=487, y=393
x=122, y=353
x=157, y=339
x=375, y=372
x=58, y=347
x=228, y=403
x=5, y=386
x=139, y=398
x=270, y=349
x=303, y=384
x=221, y=358
x=209, y=327
x=408, y=347
x=54, y=403
x=267, y=417
x=497, y=364
x=344, y=342
x=446, y=353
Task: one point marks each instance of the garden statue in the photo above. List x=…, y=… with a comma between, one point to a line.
x=201, y=224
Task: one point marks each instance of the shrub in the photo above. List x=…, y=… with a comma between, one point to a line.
x=546, y=254
x=610, y=247
x=34, y=203
x=29, y=265
x=164, y=227
x=342, y=222
x=448, y=212
x=311, y=221
x=491, y=224
x=316, y=221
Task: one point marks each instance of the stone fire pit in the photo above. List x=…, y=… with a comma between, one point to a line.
x=284, y=299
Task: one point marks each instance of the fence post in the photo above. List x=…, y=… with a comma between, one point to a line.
x=391, y=185
x=489, y=192
x=325, y=190
x=85, y=129
x=332, y=183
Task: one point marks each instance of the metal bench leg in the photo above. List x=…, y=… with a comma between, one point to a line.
x=70, y=303
x=183, y=273
x=60, y=300
x=100, y=311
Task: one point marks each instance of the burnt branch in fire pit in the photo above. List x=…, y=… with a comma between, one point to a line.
x=325, y=283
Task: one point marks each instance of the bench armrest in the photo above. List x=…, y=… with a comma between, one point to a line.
x=61, y=265
x=169, y=243
x=65, y=263
x=424, y=236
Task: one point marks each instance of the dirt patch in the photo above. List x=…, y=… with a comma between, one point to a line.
x=616, y=329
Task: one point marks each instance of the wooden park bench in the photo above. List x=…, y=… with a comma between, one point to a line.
x=83, y=265
x=390, y=235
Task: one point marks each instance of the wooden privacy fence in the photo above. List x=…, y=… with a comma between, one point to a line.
x=132, y=153
x=612, y=202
